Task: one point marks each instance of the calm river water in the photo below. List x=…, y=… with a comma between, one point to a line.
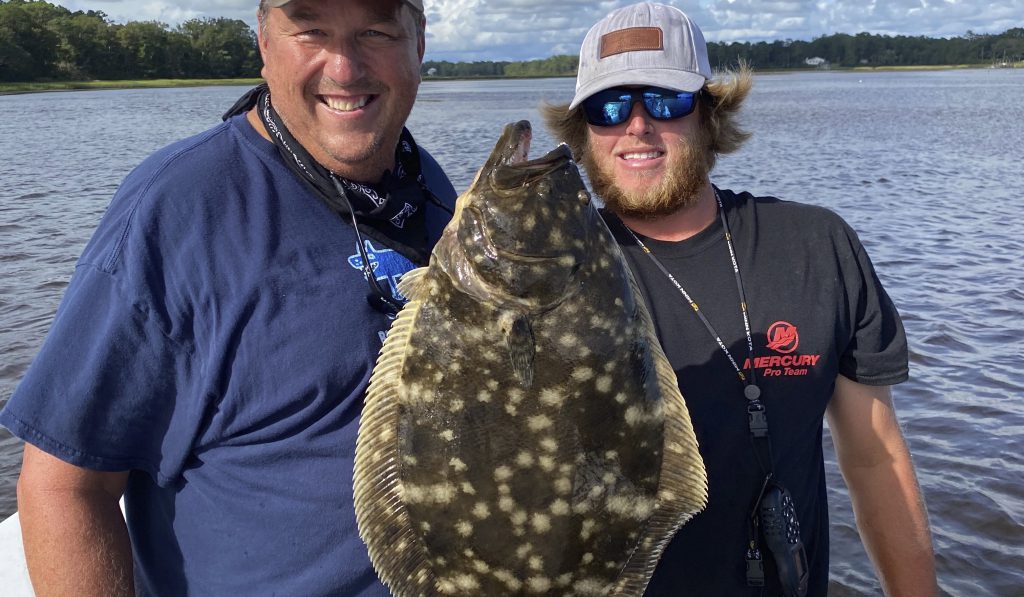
x=926, y=166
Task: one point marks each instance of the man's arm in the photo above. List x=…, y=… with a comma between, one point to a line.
x=76, y=541
x=887, y=502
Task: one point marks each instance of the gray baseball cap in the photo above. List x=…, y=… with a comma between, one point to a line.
x=418, y=4
x=642, y=44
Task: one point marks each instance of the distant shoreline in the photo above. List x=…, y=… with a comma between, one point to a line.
x=51, y=86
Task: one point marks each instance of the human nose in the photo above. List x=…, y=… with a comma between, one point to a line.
x=345, y=63
x=639, y=123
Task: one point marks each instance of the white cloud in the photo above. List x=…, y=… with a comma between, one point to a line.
x=466, y=30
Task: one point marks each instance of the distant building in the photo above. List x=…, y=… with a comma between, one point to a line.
x=816, y=61
x=431, y=71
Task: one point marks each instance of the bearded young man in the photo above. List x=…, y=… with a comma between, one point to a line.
x=210, y=357
x=770, y=312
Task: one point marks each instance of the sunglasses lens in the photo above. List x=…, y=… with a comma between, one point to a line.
x=608, y=107
x=613, y=106
x=664, y=104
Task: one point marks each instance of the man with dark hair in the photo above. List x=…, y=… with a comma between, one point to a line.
x=770, y=312
x=210, y=357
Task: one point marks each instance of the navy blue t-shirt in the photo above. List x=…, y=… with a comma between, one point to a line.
x=216, y=341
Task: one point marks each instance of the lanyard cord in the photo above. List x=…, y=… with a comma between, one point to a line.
x=748, y=381
x=756, y=418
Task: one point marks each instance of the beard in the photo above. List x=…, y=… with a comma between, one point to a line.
x=685, y=176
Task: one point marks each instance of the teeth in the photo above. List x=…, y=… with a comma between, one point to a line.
x=649, y=155
x=346, y=105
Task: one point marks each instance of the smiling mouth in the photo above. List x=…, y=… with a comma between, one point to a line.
x=641, y=155
x=350, y=104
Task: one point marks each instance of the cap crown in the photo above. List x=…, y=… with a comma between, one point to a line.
x=642, y=44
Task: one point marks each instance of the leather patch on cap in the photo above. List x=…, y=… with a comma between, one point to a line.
x=633, y=39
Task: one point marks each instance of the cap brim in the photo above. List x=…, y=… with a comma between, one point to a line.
x=680, y=80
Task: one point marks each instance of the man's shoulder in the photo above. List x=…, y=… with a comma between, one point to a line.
x=786, y=216
x=770, y=204
x=212, y=150
x=178, y=190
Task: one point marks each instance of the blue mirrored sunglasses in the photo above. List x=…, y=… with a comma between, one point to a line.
x=612, y=106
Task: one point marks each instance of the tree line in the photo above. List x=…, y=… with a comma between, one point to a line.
x=839, y=50
x=41, y=41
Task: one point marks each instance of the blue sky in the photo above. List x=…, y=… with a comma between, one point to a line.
x=466, y=30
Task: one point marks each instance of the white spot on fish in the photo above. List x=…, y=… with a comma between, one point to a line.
x=510, y=581
x=560, y=508
x=502, y=473
x=582, y=374
x=551, y=397
x=439, y=493
x=541, y=523
x=457, y=465
x=538, y=423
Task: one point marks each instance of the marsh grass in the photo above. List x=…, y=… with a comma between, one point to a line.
x=7, y=88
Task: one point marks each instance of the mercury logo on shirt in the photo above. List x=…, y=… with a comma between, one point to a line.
x=784, y=339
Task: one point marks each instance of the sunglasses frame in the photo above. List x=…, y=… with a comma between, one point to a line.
x=636, y=94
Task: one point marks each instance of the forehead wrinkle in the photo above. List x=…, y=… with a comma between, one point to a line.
x=308, y=11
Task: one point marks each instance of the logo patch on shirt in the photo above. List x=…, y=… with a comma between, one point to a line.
x=784, y=339
x=388, y=268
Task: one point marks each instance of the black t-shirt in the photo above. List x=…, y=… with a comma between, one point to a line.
x=817, y=310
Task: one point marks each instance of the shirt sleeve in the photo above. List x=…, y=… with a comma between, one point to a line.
x=876, y=353
x=110, y=388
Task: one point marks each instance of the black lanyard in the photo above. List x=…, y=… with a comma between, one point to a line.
x=756, y=418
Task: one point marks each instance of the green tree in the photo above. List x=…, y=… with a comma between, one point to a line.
x=145, y=50
x=221, y=47
x=28, y=50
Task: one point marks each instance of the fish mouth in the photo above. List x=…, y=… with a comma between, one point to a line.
x=518, y=174
x=508, y=166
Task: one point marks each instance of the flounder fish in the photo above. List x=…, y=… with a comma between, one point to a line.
x=523, y=432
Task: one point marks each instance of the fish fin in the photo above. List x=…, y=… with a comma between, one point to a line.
x=382, y=517
x=409, y=283
x=521, y=347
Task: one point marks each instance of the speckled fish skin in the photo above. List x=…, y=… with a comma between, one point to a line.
x=523, y=433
